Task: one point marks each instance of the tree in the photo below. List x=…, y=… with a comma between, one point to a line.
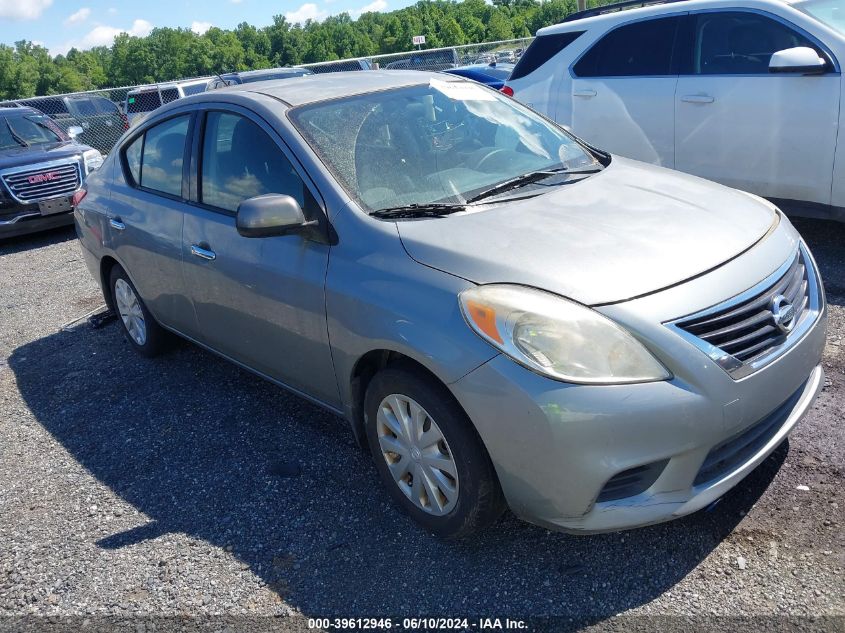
x=27, y=69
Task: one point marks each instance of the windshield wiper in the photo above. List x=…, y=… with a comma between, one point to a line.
x=15, y=134
x=428, y=210
x=528, y=179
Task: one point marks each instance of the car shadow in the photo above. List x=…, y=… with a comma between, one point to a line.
x=204, y=448
x=30, y=241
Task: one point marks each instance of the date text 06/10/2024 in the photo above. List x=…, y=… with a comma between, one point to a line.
x=412, y=624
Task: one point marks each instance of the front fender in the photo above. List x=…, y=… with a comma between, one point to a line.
x=378, y=298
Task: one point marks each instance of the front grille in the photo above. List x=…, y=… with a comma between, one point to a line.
x=732, y=453
x=631, y=482
x=742, y=333
x=40, y=182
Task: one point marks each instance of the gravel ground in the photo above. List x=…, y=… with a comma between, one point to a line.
x=185, y=487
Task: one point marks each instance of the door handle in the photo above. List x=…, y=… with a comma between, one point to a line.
x=203, y=253
x=586, y=94
x=117, y=224
x=697, y=99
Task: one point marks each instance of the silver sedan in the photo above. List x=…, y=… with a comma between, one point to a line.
x=503, y=315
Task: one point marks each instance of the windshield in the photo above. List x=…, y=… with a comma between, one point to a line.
x=443, y=142
x=829, y=12
x=22, y=130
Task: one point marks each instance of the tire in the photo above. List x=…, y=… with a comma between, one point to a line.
x=143, y=333
x=461, y=505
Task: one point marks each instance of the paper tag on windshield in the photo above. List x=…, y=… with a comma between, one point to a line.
x=462, y=90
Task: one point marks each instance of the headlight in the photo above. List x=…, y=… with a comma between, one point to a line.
x=556, y=337
x=93, y=160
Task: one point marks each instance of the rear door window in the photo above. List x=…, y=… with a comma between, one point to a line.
x=154, y=159
x=169, y=94
x=143, y=102
x=640, y=49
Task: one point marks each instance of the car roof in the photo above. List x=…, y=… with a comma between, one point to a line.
x=267, y=71
x=654, y=8
x=326, y=86
x=21, y=109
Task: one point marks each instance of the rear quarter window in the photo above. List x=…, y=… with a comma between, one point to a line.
x=541, y=50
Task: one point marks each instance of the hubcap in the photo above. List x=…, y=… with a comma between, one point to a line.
x=130, y=311
x=417, y=454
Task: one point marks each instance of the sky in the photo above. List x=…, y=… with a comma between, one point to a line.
x=60, y=25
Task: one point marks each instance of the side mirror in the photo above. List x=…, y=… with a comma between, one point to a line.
x=74, y=130
x=269, y=215
x=801, y=59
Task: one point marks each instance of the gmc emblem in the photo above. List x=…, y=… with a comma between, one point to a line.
x=45, y=177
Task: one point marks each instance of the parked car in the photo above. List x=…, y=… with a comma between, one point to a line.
x=506, y=57
x=435, y=59
x=41, y=168
x=744, y=92
x=141, y=101
x=494, y=74
x=101, y=120
x=343, y=65
x=500, y=312
x=267, y=74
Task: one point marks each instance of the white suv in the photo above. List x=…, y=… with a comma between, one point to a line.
x=746, y=92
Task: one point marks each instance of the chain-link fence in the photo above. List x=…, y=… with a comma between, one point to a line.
x=502, y=52
x=99, y=117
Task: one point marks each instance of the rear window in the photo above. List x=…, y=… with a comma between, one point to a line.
x=624, y=53
x=541, y=50
x=82, y=107
x=143, y=102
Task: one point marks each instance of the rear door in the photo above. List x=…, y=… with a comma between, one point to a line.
x=258, y=300
x=147, y=206
x=623, y=90
x=773, y=134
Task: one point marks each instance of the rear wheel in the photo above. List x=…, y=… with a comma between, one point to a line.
x=139, y=327
x=428, y=455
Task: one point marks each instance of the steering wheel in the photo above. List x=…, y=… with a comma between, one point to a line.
x=488, y=157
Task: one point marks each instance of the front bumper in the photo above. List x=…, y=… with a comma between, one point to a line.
x=21, y=219
x=558, y=448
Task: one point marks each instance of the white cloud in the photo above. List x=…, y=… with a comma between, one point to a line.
x=307, y=11
x=103, y=35
x=375, y=5
x=236, y=1
x=112, y=11
x=200, y=27
x=79, y=16
x=23, y=9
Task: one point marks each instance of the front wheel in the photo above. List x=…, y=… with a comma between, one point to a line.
x=428, y=455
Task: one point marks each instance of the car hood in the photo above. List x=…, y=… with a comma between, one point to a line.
x=628, y=231
x=40, y=153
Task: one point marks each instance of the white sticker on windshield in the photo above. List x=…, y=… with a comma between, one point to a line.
x=462, y=90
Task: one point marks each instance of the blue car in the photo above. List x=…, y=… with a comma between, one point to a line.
x=492, y=74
